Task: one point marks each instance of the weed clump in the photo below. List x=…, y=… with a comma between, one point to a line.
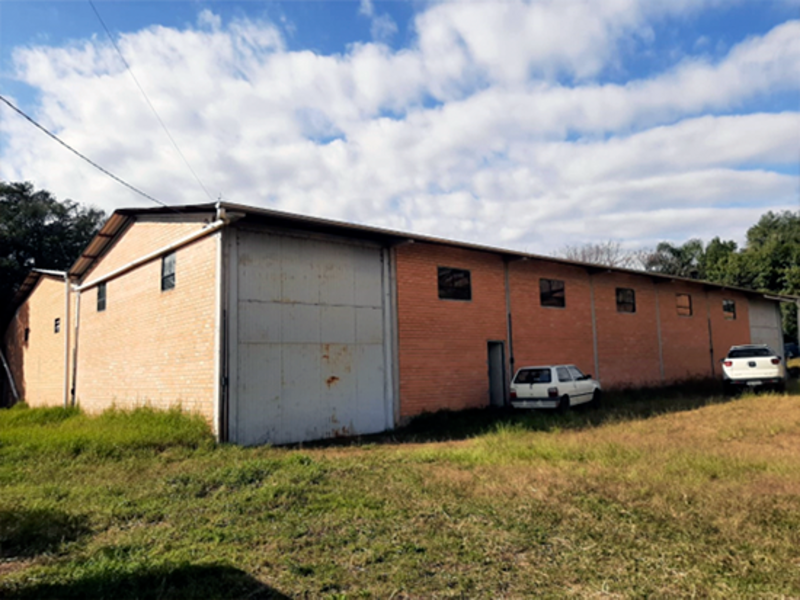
x=113, y=434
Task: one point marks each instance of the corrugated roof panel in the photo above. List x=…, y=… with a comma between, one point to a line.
x=123, y=217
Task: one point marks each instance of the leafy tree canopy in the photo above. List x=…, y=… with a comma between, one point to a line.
x=769, y=262
x=38, y=231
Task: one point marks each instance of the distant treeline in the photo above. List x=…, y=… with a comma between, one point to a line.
x=769, y=261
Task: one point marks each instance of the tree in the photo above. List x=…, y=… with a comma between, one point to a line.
x=686, y=260
x=719, y=260
x=770, y=262
x=773, y=251
x=609, y=254
x=36, y=230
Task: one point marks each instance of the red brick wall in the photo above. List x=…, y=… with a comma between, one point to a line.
x=726, y=332
x=547, y=335
x=443, y=343
x=148, y=346
x=38, y=364
x=685, y=340
x=627, y=343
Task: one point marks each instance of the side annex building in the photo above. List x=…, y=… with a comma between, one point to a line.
x=279, y=328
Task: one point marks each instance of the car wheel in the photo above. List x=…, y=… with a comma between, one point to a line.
x=780, y=387
x=597, y=398
x=563, y=404
x=727, y=389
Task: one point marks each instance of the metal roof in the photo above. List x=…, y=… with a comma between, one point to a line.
x=121, y=219
x=30, y=282
x=109, y=232
x=291, y=220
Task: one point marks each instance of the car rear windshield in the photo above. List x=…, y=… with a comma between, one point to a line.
x=533, y=376
x=750, y=352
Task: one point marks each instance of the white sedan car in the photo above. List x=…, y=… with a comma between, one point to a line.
x=554, y=386
x=752, y=366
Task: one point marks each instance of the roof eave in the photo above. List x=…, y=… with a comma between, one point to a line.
x=121, y=218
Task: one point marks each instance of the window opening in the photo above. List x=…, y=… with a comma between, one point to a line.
x=729, y=309
x=454, y=284
x=551, y=293
x=683, y=303
x=576, y=373
x=533, y=376
x=626, y=300
x=101, y=297
x=168, y=272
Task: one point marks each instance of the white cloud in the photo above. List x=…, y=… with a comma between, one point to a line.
x=504, y=155
x=382, y=27
x=366, y=8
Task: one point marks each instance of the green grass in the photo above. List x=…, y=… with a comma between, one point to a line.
x=657, y=494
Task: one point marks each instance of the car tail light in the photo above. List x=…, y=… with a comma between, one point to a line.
x=728, y=363
x=552, y=392
x=513, y=394
x=776, y=361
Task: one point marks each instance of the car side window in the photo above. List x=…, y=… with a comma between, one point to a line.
x=533, y=376
x=576, y=373
x=563, y=374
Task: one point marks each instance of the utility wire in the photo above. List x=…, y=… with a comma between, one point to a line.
x=87, y=159
x=150, y=104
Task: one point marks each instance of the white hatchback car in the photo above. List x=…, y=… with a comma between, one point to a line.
x=555, y=386
x=752, y=366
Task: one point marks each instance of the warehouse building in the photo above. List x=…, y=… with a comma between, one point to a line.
x=279, y=328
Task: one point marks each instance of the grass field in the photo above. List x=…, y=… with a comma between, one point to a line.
x=654, y=495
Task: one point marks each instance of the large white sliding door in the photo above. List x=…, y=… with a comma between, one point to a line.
x=312, y=358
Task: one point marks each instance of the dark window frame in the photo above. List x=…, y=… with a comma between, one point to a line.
x=168, y=269
x=552, y=293
x=450, y=283
x=684, y=308
x=729, y=309
x=626, y=305
x=57, y=325
x=102, y=295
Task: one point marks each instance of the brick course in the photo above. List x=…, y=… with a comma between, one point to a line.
x=148, y=346
x=627, y=343
x=544, y=335
x=38, y=364
x=443, y=343
x=158, y=348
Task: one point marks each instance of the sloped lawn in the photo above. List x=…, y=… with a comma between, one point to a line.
x=650, y=496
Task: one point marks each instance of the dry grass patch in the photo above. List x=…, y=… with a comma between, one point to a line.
x=702, y=502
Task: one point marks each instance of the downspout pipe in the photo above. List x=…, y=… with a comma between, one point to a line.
x=75, y=346
x=67, y=290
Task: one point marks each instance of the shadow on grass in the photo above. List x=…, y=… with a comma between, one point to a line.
x=617, y=406
x=189, y=582
x=25, y=533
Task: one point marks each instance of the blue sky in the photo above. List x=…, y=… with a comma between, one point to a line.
x=531, y=124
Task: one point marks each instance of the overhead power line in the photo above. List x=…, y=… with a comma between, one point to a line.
x=150, y=104
x=84, y=157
